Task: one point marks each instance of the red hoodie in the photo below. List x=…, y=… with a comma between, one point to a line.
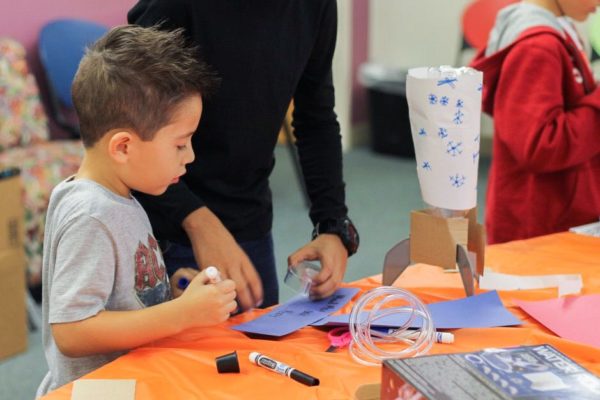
x=545, y=172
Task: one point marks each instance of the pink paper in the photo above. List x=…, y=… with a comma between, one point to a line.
x=575, y=318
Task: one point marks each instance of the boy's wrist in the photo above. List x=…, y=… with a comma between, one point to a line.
x=179, y=314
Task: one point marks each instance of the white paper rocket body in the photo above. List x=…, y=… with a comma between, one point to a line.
x=445, y=109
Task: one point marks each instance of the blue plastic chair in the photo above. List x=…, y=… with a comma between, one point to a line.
x=62, y=44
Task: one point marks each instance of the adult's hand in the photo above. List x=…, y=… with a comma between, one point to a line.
x=330, y=251
x=214, y=245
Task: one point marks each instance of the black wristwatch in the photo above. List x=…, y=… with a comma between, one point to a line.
x=342, y=227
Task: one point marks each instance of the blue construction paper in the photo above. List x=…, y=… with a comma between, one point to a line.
x=297, y=313
x=481, y=311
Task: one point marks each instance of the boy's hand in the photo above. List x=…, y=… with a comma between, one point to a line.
x=207, y=304
x=329, y=250
x=187, y=273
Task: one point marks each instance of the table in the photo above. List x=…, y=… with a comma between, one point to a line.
x=183, y=367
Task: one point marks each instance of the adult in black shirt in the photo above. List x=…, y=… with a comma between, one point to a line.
x=266, y=52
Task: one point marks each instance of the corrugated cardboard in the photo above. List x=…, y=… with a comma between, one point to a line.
x=102, y=389
x=13, y=315
x=476, y=240
x=368, y=392
x=433, y=239
x=11, y=214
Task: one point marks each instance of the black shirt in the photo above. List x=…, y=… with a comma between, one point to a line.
x=266, y=52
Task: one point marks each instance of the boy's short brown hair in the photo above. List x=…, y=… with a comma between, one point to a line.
x=134, y=78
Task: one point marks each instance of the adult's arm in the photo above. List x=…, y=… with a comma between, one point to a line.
x=316, y=127
x=320, y=150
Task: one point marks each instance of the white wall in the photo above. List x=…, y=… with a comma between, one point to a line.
x=408, y=33
x=342, y=71
x=411, y=33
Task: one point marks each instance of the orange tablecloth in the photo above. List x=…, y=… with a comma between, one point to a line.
x=183, y=367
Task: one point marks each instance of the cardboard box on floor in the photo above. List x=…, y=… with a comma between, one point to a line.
x=11, y=212
x=13, y=314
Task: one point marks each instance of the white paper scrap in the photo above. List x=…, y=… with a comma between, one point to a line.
x=566, y=283
x=592, y=229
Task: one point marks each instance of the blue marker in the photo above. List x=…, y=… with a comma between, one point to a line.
x=182, y=283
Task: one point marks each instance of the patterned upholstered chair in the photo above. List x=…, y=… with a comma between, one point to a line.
x=25, y=144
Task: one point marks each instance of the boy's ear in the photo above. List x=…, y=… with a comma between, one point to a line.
x=119, y=146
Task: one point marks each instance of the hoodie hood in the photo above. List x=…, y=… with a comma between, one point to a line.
x=492, y=66
x=514, y=20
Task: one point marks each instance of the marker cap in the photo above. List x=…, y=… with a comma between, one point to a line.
x=213, y=274
x=228, y=363
x=253, y=356
x=444, y=337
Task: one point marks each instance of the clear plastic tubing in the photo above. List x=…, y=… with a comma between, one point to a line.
x=407, y=341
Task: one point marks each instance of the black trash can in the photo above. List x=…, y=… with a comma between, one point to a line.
x=388, y=110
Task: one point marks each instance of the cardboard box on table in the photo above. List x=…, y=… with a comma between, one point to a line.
x=444, y=242
x=13, y=315
x=11, y=213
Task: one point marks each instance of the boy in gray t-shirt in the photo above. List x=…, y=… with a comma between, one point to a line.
x=138, y=95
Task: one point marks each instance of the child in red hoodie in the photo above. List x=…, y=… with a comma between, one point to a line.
x=538, y=85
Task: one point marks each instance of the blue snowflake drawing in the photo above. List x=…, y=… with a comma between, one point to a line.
x=458, y=117
x=443, y=133
x=454, y=148
x=475, y=156
x=480, y=87
x=460, y=103
x=457, y=180
x=422, y=132
x=432, y=99
x=426, y=165
x=448, y=81
x=444, y=100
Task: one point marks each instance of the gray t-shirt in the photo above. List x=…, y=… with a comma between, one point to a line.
x=99, y=254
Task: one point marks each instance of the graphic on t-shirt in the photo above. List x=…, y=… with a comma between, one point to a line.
x=151, y=282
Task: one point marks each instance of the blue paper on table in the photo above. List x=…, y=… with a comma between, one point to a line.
x=480, y=311
x=297, y=313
